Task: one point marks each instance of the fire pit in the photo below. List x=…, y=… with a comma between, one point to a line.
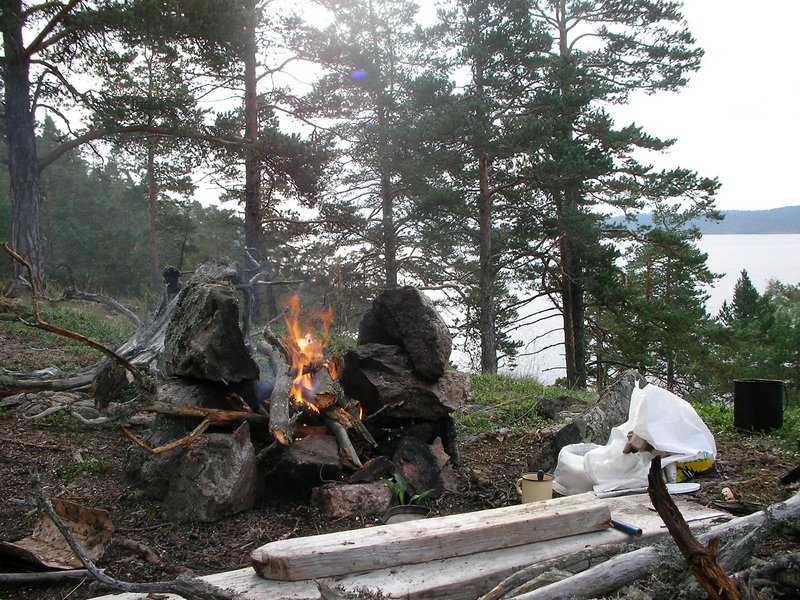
x=338, y=424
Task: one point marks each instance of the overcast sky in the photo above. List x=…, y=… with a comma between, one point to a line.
x=739, y=117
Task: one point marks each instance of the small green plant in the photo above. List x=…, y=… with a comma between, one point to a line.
x=5, y=412
x=70, y=472
x=400, y=491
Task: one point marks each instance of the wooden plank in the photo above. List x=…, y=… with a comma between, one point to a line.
x=459, y=578
x=421, y=541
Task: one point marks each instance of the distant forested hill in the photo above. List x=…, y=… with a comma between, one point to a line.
x=774, y=220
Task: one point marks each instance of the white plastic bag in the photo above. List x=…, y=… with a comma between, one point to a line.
x=570, y=476
x=667, y=422
x=670, y=424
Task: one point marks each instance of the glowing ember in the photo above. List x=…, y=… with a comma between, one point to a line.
x=306, y=346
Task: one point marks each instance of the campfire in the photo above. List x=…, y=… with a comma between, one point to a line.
x=306, y=387
x=306, y=348
x=381, y=409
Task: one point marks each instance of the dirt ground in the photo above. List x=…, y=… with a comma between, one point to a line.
x=489, y=466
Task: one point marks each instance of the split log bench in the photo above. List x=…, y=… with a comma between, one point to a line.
x=457, y=557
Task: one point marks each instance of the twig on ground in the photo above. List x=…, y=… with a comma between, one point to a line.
x=152, y=557
x=31, y=444
x=183, y=586
x=43, y=576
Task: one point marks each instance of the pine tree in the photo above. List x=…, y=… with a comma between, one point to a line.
x=747, y=307
x=602, y=52
x=501, y=52
x=372, y=54
x=55, y=65
x=658, y=323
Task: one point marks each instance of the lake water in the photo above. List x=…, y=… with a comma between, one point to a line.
x=765, y=257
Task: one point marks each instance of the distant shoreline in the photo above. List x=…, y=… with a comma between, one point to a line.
x=750, y=233
x=784, y=220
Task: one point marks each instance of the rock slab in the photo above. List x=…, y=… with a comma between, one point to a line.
x=406, y=317
x=204, y=340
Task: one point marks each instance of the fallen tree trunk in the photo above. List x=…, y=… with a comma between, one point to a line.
x=21, y=383
x=74, y=294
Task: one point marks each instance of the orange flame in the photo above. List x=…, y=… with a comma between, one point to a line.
x=306, y=348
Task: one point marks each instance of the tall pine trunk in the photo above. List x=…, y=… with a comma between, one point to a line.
x=389, y=233
x=253, y=219
x=572, y=295
x=252, y=177
x=23, y=166
x=152, y=197
x=487, y=310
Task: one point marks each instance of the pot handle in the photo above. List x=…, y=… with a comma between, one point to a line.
x=519, y=485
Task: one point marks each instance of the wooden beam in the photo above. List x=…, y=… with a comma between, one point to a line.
x=464, y=577
x=429, y=539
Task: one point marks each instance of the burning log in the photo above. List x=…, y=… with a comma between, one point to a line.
x=306, y=381
x=281, y=426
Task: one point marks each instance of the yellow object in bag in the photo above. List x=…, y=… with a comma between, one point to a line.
x=687, y=470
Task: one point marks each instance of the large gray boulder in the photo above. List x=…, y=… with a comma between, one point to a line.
x=204, y=340
x=406, y=317
x=213, y=478
x=380, y=375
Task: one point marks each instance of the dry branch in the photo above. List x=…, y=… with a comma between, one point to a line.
x=183, y=586
x=343, y=440
x=209, y=416
x=153, y=558
x=580, y=561
x=702, y=560
x=43, y=576
x=602, y=579
x=73, y=294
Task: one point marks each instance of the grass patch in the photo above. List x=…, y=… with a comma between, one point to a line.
x=719, y=418
x=71, y=471
x=510, y=403
x=36, y=348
